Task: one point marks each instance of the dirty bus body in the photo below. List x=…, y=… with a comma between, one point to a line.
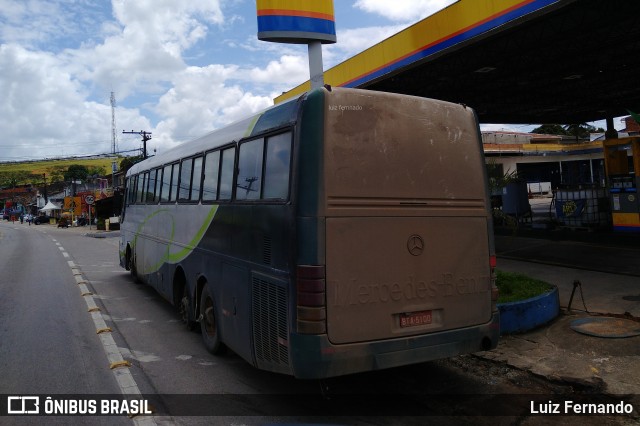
x=379, y=252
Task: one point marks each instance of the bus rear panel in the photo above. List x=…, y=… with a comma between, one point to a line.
x=403, y=237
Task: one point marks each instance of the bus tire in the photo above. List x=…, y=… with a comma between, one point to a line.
x=134, y=273
x=209, y=323
x=184, y=308
x=131, y=266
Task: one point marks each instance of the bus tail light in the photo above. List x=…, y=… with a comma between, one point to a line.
x=311, y=297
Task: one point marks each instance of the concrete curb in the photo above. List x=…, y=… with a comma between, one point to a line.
x=525, y=315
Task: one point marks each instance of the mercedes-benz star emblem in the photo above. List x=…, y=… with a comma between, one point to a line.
x=415, y=245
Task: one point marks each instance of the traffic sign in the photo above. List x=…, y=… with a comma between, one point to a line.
x=89, y=199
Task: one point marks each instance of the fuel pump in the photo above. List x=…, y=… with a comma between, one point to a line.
x=622, y=163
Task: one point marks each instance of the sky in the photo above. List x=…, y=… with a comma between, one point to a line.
x=177, y=68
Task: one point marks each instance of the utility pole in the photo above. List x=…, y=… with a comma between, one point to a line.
x=145, y=137
x=44, y=178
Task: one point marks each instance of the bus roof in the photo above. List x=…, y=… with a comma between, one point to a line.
x=272, y=118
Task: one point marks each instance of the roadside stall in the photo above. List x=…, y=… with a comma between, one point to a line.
x=47, y=214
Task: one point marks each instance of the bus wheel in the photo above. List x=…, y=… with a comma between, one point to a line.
x=134, y=273
x=131, y=263
x=184, y=308
x=209, y=323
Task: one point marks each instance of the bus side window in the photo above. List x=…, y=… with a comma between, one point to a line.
x=151, y=188
x=185, y=180
x=250, y=170
x=197, y=178
x=140, y=189
x=226, y=173
x=129, y=192
x=166, y=184
x=277, y=167
x=210, y=181
x=132, y=190
x=158, y=184
x=175, y=175
x=145, y=195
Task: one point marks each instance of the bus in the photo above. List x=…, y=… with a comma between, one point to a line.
x=343, y=231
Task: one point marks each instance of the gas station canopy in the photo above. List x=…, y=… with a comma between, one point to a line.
x=513, y=61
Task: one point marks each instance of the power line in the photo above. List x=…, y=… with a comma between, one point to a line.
x=145, y=137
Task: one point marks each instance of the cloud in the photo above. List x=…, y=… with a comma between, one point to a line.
x=168, y=61
x=201, y=100
x=57, y=100
x=289, y=70
x=147, y=49
x=168, y=22
x=45, y=22
x=403, y=10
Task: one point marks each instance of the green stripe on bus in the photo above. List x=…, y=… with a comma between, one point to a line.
x=177, y=257
x=252, y=125
x=180, y=255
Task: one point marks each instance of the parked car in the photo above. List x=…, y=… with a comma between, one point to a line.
x=41, y=219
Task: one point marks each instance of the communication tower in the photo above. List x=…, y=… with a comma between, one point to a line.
x=114, y=140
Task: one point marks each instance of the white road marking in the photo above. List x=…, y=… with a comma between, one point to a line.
x=124, y=378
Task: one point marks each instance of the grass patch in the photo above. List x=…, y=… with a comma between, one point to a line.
x=44, y=166
x=514, y=287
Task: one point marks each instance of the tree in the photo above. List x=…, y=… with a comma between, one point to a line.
x=76, y=172
x=96, y=171
x=579, y=131
x=55, y=173
x=18, y=177
x=550, y=129
x=128, y=162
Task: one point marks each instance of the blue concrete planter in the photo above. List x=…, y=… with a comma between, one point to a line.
x=525, y=315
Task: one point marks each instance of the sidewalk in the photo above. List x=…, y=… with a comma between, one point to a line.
x=608, y=270
x=87, y=231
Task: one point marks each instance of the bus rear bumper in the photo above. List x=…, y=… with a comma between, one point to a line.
x=315, y=357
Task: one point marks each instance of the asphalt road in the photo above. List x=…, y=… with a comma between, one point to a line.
x=48, y=344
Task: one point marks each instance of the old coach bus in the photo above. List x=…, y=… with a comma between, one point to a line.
x=343, y=231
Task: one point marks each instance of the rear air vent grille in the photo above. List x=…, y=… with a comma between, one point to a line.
x=266, y=250
x=270, y=331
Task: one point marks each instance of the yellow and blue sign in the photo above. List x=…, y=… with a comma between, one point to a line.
x=296, y=21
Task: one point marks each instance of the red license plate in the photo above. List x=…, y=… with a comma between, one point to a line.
x=413, y=319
